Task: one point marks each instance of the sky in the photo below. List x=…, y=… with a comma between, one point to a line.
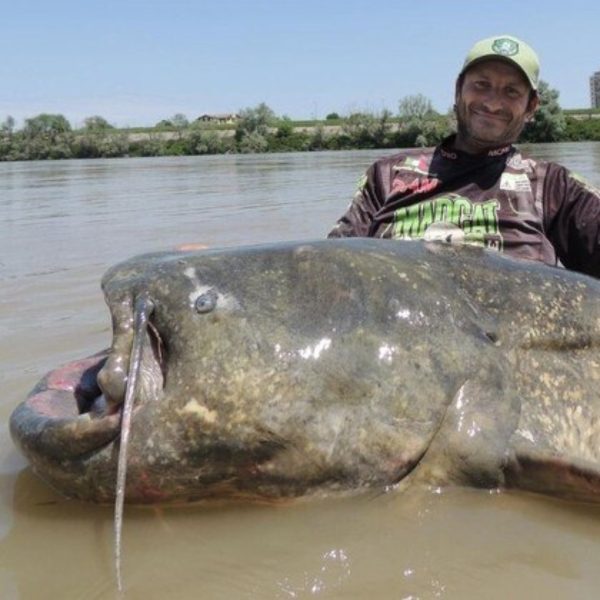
x=138, y=62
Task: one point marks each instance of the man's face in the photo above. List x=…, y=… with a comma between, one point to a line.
x=492, y=106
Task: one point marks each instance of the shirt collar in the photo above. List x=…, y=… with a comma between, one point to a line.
x=448, y=151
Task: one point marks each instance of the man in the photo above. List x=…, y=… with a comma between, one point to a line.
x=476, y=187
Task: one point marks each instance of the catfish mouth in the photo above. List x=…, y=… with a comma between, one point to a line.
x=69, y=414
x=60, y=418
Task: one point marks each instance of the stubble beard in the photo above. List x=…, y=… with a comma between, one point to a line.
x=477, y=142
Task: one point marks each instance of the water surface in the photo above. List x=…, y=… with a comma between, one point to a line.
x=61, y=225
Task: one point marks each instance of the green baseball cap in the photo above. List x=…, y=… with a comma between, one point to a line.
x=510, y=49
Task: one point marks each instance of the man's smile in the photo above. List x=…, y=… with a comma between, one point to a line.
x=482, y=113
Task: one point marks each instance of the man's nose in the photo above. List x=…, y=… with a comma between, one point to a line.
x=493, y=100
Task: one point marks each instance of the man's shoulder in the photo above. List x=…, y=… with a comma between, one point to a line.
x=534, y=167
x=558, y=178
x=522, y=160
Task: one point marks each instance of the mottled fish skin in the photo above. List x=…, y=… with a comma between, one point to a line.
x=295, y=369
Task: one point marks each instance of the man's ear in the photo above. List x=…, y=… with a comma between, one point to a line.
x=457, y=87
x=534, y=104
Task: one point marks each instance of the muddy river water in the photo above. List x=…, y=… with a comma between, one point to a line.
x=61, y=225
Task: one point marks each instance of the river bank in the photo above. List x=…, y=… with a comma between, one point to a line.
x=51, y=136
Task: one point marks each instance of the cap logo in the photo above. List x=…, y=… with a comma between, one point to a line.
x=505, y=47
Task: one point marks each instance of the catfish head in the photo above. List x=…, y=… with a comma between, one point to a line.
x=265, y=372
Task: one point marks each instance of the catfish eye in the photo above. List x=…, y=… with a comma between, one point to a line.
x=206, y=302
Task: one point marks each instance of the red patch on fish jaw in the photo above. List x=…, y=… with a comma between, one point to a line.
x=68, y=377
x=54, y=404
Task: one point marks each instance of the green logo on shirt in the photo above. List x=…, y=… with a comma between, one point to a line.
x=452, y=219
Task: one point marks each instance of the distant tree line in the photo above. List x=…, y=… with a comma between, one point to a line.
x=259, y=129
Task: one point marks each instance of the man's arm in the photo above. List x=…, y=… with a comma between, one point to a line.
x=573, y=226
x=357, y=220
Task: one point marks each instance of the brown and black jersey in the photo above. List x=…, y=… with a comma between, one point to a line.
x=502, y=201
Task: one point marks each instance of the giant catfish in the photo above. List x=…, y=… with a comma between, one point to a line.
x=297, y=369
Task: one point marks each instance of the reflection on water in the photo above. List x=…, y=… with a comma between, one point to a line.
x=459, y=544
x=62, y=224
